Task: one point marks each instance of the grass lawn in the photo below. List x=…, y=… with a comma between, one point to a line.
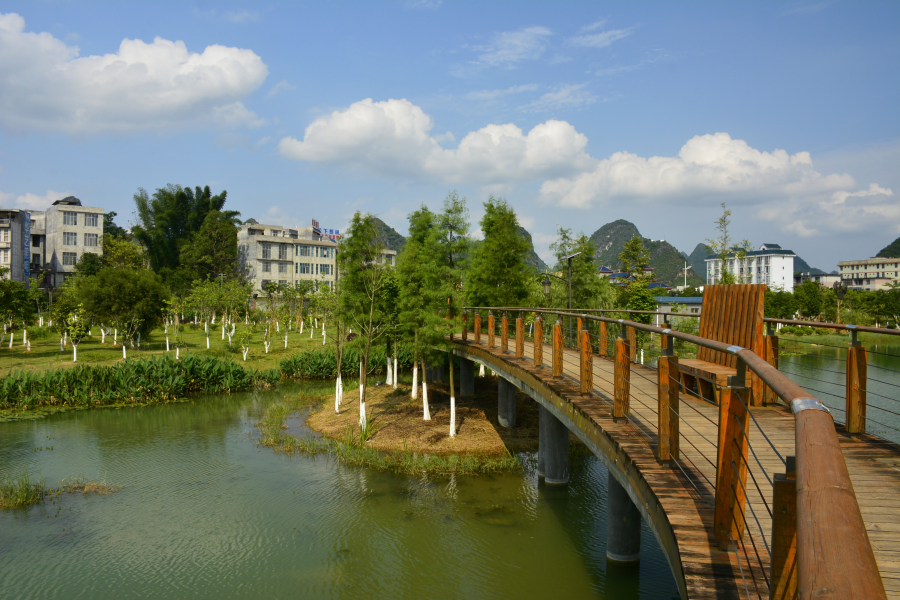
x=45, y=352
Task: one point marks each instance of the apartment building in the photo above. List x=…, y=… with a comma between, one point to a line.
x=51, y=241
x=870, y=274
x=771, y=264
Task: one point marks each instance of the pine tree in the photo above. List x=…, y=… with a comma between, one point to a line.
x=499, y=274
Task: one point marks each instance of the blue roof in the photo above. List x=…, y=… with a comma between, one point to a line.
x=678, y=300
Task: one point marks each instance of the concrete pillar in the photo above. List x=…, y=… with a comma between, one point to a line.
x=506, y=403
x=466, y=377
x=556, y=449
x=542, y=439
x=623, y=525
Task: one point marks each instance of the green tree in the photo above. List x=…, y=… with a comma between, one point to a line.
x=362, y=272
x=78, y=327
x=422, y=295
x=89, y=264
x=635, y=258
x=213, y=250
x=810, y=299
x=780, y=305
x=122, y=253
x=109, y=226
x=724, y=248
x=14, y=303
x=499, y=274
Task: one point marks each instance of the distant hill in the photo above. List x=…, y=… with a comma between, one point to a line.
x=667, y=261
x=892, y=250
x=532, y=259
x=698, y=258
x=392, y=239
x=801, y=266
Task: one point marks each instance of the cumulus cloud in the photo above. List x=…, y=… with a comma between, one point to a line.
x=31, y=201
x=281, y=85
x=509, y=48
x=47, y=86
x=393, y=138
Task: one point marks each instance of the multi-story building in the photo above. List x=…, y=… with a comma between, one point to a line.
x=51, y=241
x=823, y=279
x=770, y=264
x=276, y=254
x=869, y=274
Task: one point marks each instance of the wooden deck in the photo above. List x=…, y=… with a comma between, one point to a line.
x=685, y=490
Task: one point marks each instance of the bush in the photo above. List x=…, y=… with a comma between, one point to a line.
x=322, y=364
x=38, y=333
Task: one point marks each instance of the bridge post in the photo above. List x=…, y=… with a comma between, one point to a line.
x=621, y=380
x=556, y=449
x=731, y=461
x=539, y=341
x=506, y=403
x=632, y=344
x=491, y=329
x=579, y=326
x=557, y=349
x=668, y=405
x=784, y=534
x=771, y=357
x=542, y=439
x=504, y=333
x=465, y=326
x=466, y=377
x=477, y=326
x=856, y=388
x=520, y=337
x=623, y=524
x=587, y=363
x=602, y=350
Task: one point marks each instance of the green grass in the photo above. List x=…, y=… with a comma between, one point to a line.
x=45, y=354
x=21, y=492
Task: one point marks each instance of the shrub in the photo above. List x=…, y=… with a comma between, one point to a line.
x=322, y=364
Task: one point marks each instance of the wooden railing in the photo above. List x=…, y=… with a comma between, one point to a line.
x=834, y=555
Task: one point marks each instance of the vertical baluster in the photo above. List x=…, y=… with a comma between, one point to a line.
x=784, y=534
x=557, y=348
x=477, y=326
x=632, y=344
x=668, y=405
x=856, y=387
x=731, y=465
x=504, y=333
x=520, y=336
x=491, y=330
x=579, y=327
x=771, y=346
x=465, y=326
x=602, y=342
x=587, y=363
x=621, y=379
x=538, y=341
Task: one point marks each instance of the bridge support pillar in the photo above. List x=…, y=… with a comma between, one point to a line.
x=466, y=377
x=506, y=403
x=553, y=445
x=542, y=439
x=623, y=525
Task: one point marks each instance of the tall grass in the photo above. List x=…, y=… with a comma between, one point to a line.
x=21, y=491
x=132, y=381
x=322, y=364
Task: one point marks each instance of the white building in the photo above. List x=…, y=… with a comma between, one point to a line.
x=770, y=265
x=870, y=273
x=276, y=254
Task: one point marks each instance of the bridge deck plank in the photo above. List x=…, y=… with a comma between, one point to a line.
x=686, y=490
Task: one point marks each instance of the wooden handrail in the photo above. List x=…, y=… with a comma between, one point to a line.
x=835, y=557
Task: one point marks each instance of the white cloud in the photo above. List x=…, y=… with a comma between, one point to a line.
x=241, y=16
x=494, y=94
x=392, y=138
x=281, y=85
x=563, y=97
x=509, y=48
x=156, y=86
x=31, y=201
x=428, y=4
x=600, y=40
x=594, y=26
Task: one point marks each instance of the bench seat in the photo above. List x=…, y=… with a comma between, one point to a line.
x=707, y=375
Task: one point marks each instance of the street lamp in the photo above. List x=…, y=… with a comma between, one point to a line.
x=839, y=290
x=546, y=285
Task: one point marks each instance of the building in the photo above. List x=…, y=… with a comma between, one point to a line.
x=666, y=304
x=869, y=274
x=823, y=279
x=770, y=264
x=288, y=256
x=51, y=241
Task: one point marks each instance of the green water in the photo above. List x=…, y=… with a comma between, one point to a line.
x=204, y=512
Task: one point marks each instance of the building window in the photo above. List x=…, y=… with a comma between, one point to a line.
x=91, y=220
x=282, y=267
x=90, y=239
x=36, y=259
x=282, y=252
x=70, y=238
x=266, y=250
x=4, y=255
x=263, y=284
x=305, y=268
x=69, y=259
x=4, y=235
x=282, y=281
x=305, y=250
x=267, y=267
x=70, y=218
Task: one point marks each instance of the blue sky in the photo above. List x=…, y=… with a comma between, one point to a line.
x=577, y=113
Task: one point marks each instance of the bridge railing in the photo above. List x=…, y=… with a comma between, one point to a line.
x=834, y=557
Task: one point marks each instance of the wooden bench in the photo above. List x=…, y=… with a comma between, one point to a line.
x=732, y=314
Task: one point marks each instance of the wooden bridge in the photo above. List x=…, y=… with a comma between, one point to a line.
x=735, y=513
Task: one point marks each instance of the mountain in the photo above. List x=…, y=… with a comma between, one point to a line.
x=532, y=259
x=697, y=259
x=892, y=250
x=667, y=261
x=801, y=266
x=392, y=239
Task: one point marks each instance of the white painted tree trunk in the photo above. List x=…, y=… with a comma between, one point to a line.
x=481, y=371
x=245, y=350
x=167, y=343
x=267, y=344
x=277, y=327
x=103, y=336
x=362, y=415
x=387, y=378
x=12, y=335
x=324, y=337
x=74, y=352
x=311, y=330
x=115, y=337
x=337, y=395
x=317, y=322
x=285, y=338
x=301, y=326
x=223, y=330
x=426, y=411
x=394, y=380
x=124, y=355
x=177, y=352
x=341, y=385
x=24, y=337
x=452, y=416
x=360, y=380
x=415, y=387
x=206, y=329
x=139, y=339
x=62, y=344
x=29, y=346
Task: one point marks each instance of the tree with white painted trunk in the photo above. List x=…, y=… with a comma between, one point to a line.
x=78, y=327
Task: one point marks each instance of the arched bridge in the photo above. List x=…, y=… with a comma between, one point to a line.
x=747, y=498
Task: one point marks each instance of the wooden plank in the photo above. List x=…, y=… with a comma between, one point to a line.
x=602, y=350
x=731, y=467
x=557, y=350
x=491, y=330
x=784, y=538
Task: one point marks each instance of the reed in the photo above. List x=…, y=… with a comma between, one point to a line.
x=21, y=492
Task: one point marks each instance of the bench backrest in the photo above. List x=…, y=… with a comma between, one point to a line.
x=732, y=314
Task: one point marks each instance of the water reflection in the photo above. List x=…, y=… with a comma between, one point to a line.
x=205, y=512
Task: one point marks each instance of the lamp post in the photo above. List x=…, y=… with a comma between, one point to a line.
x=839, y=290
x=546, y=285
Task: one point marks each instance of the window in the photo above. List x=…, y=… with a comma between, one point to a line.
x=266, y=250
x=4, y=255
x=305, y=268
x=296, y=269
x=282, y=251
x=69, y=259
x=317, y=268
x=282, y=281
x=35, y=240
x=305, y=250
x=70, y=218
x=70, y=238
x=90, y=239
x=35, y=259
x=282, y=267
x=263, y=284
x=4, y=235
x=91, y=220
x=267, y=267
x=325, y=269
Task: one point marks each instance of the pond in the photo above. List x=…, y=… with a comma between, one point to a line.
x=205, y=512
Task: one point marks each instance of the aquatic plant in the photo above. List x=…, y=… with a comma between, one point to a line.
x=322, y=364
x=21, y=491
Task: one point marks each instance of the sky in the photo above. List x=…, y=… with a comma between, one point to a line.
x=576, y=113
